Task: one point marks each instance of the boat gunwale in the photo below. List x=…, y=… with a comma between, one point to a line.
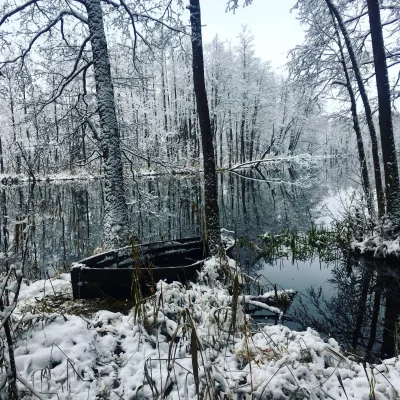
x=115, y=253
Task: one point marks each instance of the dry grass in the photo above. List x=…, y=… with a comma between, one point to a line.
x=66, y=304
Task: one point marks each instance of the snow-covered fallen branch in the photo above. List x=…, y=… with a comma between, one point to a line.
x=300, y=159
x=304, y=182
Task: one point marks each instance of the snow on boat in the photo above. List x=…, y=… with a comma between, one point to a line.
x=111, y=274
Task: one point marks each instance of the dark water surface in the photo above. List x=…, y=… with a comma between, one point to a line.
x=351, y=300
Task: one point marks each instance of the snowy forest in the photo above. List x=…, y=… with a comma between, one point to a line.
x=181, y=219
x=50, y=120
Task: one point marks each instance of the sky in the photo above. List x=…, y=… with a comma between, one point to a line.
x=274, y=27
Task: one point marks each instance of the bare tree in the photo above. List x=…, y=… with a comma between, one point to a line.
x=392, y=184
x=211, y=209
x=356, y=123
x=74, y=31
x=328, y=63
x=367, y=106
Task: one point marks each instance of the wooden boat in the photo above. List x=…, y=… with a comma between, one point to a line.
x=110, y=274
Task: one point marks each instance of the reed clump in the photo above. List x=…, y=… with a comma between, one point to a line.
x=326, y=244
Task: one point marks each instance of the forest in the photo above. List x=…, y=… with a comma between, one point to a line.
x=180, y=219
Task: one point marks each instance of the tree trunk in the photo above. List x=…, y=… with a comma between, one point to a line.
x=356, y=126
x=361, y=309
x=242, y=131
x=392, y=186
x=236, y=143
x=367, y=108
x=221, y=155
x=230, y=140
x=253, y=128
x=1, y=159
x=12, y=109
x=210, y=177
x=116, y=211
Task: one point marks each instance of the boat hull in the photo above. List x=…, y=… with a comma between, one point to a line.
x=113, y=273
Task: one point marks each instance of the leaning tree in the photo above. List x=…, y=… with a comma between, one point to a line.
x=322, y=61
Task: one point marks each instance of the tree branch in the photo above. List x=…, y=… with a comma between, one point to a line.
x=40, y=33
x=16, y=10
x=65, y=84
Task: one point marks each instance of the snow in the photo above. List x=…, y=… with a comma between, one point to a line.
x=378, y=247
x=83, y=175
x=148, y=353
x=6, y=179
x=177, y=170
x=348, y=203
x=31, y=291
x=335, y=206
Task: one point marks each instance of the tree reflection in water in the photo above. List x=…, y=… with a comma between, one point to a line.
x=69, y=215
x=363, y=314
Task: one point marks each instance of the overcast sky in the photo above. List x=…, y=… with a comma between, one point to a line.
x=274, y=27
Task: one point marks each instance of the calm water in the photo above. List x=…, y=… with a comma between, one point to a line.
x=353, y=300
x=347, y=300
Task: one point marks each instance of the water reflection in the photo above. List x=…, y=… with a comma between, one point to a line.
x=354, y=300
x=68, y=218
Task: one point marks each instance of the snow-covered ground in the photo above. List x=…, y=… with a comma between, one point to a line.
x=180, y=339
x=345, y=204
x=378, y=247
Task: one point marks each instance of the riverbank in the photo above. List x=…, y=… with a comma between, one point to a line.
x=15, y=179
x=179, y=341
x=377, y=248
x=301, y=161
